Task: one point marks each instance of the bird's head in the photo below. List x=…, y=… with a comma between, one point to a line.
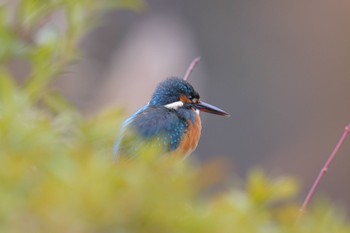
x=174, y=93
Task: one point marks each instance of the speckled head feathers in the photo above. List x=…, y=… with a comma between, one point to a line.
x=171, y=90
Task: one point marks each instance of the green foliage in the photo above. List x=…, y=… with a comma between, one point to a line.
x=57, y=172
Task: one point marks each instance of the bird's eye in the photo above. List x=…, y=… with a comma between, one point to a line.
x=195, y=100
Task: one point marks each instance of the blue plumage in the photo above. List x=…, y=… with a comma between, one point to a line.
x=170, y=90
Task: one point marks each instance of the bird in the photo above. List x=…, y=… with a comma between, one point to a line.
x=171, y=120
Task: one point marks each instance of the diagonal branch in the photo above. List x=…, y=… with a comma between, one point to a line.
x=324, y=170
x=191, y=67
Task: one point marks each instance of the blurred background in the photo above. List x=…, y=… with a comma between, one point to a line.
x=281, y=68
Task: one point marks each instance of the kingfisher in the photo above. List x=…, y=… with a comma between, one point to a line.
x=170, y=120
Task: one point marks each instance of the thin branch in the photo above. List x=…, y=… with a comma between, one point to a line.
x=324, y=170
x=191, y=67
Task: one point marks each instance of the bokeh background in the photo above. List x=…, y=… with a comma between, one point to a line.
x=281, y=68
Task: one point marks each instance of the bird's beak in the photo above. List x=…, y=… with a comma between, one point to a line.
x=204, y=107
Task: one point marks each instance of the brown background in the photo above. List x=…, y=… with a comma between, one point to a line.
x=281, y=68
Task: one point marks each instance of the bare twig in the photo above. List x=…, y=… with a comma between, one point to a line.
x=324, y=170
x=191, y=67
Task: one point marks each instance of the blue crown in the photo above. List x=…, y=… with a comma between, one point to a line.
x=170, y=90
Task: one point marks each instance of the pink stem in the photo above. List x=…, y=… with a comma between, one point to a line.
x=191, y=67
x=324, y=169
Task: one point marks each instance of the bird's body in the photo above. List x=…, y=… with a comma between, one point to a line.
x=171, y=121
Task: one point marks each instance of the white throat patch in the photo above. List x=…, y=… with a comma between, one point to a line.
x=174, y=105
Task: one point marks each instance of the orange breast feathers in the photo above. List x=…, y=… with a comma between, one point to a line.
x=190, y=140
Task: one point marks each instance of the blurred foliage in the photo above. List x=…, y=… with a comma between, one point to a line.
x=57, y=172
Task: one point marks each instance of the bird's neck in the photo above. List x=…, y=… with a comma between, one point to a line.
x=161, y=100
x=188, y=114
